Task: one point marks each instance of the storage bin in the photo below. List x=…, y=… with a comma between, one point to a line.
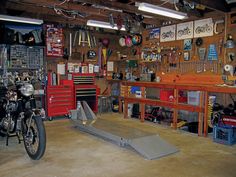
x=166, y=95
x=224, y=135
x=134, y=89
x=193, y=97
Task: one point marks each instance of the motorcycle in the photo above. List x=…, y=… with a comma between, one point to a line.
x=168, y=34
x=20, y=118
x=203, y=29
x=185, y=31
x=224, y=114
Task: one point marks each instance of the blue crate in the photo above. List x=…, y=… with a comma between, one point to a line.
x=224, y=135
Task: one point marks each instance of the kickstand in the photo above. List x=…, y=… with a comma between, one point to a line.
x=7, y=139
x=18, y=137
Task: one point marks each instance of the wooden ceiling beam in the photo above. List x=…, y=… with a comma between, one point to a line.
x=67, y=6
x=124, y=7
x=219, y=5
x=92, y=12
x=43, y=13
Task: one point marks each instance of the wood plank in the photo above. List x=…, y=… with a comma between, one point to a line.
x=205, y=132
x=125, y=7
x=218, y=5
x=143, y=94
x=200, y=114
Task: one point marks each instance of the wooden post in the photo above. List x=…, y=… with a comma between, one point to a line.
x=206, y=114
x=142, y=105
x=126, y=103
x=200, y=114
x=175, y=115
x=120, y=104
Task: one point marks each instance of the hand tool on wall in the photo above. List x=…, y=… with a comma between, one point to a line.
x=220, y=45
x=74, y=41
x=80, y=37
x=88, y=39
x=216, y=24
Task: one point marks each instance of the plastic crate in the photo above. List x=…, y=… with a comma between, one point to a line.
x=193, y=97
x=224, y=135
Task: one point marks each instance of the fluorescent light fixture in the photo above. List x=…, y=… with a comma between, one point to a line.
x=21, y=19
x=161, y=11
x=102, y=24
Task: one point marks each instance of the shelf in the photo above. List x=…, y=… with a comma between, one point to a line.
x=144, y=61
x=20, y=68
x=202, y=108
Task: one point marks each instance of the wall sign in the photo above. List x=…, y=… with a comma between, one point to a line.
x=168, y=33
x=188, y=44
x=212, y=53
x=184, y=30
x=203, y=28
x=154, y=33
x=54, y=41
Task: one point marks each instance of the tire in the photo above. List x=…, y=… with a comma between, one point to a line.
x=37, y=136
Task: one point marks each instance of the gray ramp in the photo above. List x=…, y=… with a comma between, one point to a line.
x=103, y=134
x=81, y=114
x=152, y=147
x=88, y=111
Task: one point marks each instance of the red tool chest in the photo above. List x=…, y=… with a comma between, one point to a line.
x=86, y=90
x=60, y=100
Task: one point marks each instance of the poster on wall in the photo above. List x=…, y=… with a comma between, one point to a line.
x=188, y=44
x=168, y=33
x=203, y=28
x=184, y=30
x=54, y=41
x=154, y=33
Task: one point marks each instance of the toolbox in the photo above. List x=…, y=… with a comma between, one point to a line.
x=60, y=100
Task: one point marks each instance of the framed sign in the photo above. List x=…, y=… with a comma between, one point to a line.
x=184, y=30
x=168, y=33
x=154, y=33
x=203, y=28
x=54, y=41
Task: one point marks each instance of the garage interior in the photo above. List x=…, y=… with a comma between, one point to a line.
x=124, y=87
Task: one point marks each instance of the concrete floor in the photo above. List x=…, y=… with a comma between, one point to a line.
x=71, y=153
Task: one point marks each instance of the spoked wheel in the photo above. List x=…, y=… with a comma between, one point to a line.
x=34, y=137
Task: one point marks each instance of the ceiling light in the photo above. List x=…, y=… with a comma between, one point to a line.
x=161, y=11
x=102, y=24
x=21, y=19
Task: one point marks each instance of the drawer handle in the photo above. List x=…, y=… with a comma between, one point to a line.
x=50, y=99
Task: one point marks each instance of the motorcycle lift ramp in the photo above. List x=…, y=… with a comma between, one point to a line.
x=151, y=146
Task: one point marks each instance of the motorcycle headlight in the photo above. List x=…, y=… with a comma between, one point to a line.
x=27, y=89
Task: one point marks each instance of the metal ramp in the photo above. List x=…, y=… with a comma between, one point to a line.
x=151, y=146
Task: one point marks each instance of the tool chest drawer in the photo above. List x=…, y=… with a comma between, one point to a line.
x=60, y=100
x=83, y=79
x=89, y=94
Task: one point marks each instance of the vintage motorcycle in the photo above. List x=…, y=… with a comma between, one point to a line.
x=19, y=117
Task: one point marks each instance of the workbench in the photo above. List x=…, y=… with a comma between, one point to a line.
x=202, y=108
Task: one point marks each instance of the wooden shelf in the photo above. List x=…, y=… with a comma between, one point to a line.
x=144, y=61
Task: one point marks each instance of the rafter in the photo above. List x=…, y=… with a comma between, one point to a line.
x=44, y=13
x=121, y=6
x=92, y=12
x=218, y=5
